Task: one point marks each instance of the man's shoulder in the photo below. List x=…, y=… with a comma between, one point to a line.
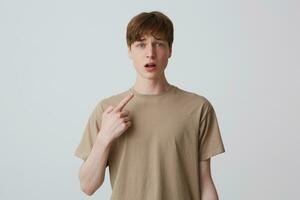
x=197, y=101
x=191, y=96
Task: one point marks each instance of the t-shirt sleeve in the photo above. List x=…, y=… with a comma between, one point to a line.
x=91, y=130
x=210, y=141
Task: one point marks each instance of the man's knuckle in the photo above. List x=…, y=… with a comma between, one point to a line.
x=116, y=117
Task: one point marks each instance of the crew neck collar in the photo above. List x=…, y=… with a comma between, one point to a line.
x=136, y=93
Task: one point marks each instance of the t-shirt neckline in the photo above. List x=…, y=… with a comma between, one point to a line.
x=136, y=93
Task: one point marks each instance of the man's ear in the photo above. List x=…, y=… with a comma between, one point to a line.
x=170, y=52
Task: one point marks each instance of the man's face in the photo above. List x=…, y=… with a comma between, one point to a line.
x=150, y=56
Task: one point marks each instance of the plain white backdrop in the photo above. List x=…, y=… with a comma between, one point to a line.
x=59, y=58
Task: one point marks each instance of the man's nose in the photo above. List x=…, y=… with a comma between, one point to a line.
x=150, y=51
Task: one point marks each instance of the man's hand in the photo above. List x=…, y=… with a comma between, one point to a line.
x=115, y=121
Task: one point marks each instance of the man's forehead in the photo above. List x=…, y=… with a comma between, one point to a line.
x=156, y=37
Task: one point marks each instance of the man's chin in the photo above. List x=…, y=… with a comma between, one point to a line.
x=150, y=76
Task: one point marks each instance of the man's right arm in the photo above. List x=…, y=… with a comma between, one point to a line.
x=92, y=170
x=115, y=121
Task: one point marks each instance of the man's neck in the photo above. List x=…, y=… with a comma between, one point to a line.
x=151, y=87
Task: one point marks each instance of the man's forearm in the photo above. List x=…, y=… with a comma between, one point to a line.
x=92, y=171
x=209, y=192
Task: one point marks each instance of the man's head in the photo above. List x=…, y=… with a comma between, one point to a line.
x=149, y=41
x=153, y=23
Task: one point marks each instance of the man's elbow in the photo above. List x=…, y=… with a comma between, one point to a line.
x=89, y=190
x=87, y=185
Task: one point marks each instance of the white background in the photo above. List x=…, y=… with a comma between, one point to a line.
x=59, y=58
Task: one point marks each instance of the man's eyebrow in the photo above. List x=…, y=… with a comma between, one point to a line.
x=143, y=39
x=159, y=38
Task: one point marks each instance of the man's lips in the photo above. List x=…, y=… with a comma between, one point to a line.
x=150, y=65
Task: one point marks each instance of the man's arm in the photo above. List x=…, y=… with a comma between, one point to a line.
x=92, y=171
x=115, y=121
x=207, y=187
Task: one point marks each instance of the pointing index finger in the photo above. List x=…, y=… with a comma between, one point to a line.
x=123, y=102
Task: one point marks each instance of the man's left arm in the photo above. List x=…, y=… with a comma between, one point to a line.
x=207, y=187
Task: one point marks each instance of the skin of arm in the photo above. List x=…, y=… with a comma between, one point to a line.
x=92, y=170
x=115, y=121
x=207, y=187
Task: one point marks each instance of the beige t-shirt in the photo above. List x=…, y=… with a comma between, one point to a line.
x=158, y=157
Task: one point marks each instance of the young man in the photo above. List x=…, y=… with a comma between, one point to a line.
x=156, y=138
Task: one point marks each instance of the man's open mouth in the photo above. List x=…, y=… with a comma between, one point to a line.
x=150, y=65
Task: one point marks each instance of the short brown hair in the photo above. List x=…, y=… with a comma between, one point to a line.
x=154, y=23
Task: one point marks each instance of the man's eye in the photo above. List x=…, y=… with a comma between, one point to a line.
x=140, y=45
x=160, y=44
